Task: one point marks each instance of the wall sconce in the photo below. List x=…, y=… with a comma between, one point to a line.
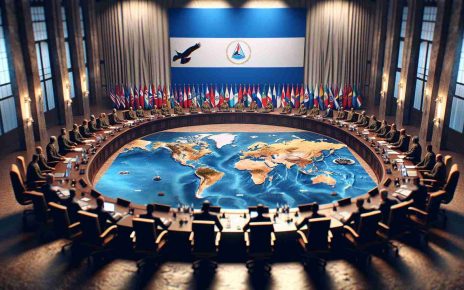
x=27, y=100
x=436, y=121
x=439, y=99
x=29, y=121
x=398, y=101
x=67, y=85
x=69, y=102
x=86, y=93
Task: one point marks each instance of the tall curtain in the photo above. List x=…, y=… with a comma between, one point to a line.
x=135, y=41
x=338, y=41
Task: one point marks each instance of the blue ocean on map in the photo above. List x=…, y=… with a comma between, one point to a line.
x=140, y=174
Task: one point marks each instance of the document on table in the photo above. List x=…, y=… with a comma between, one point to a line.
x=410, y=166
x=77, y=149
x=412, y=173
x=58, y=174
x=89, y=141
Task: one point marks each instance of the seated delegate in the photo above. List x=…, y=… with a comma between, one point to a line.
x=205, y=215
x=259, y=218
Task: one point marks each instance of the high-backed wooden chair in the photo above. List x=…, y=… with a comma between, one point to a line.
x=451, y=184
x=147, y=241
x=62, y=225
x=21, y=162
x=93, y=238
x=260, y=241
x=19, y=190
x=448, y=161
x=316, y=242
x=39, y=205
x=204, y=243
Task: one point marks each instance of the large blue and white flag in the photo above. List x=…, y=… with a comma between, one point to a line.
x=225, y=45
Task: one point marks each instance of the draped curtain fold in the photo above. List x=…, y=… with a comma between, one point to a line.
x=134, y=37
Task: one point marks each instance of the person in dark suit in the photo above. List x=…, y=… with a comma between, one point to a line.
x=84, y=129
x=429, y=160
x=205, y=215
x=149, y=215
x=259, y=218
x=418, y=196
x=113, y=118
x=52, y=153
x=393, y=135
x=362, y=120
x=374, y=125
x=65, y=146
x=329, y=112
x=382, y=130
x=355, y=217
x=75, y=136
x=93, y=124
x=34, y=175
x=414, y=153
x=43, y=164
x=50, y=194
x=402, y=143
x=72, y=206
x=438, y=172
x=101, y=122
x=139, y=113
x=314, y=215
x=341, y=114
x=130, y=114
x=351, y=116
x=385, y=205
x=103, y=215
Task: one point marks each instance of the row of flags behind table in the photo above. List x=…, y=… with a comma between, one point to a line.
x=322, y=96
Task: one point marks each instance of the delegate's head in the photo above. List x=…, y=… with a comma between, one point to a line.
x=403, y=132
x=205, y=206
x=63, y=131
x=49, y=178
x=439, y=158
x=114, y=110
x=393, y=126
x=384, y=194
x=150, y=208
x=92, y=117
x=360, y=202
x=315, y=207
x=38, y=150
x=52, y=139
x=415, y=140
x=75, y=127
x=260, y=209
x=429, y=148
x=373, y=117
x=352, y=109
x=130, y=108
x=35, y=158
x=102, y=115
x=100, y=201
x=363, y=113
x=301, y=106
x=140, y=107
x=85, y=122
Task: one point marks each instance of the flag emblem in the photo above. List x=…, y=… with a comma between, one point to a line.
x=238, y=52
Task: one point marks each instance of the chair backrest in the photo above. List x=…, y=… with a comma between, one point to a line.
x=90, y=227
x=60, y=219
x=254, y=209
x=368, y=225
x=433, y=204
x=260, y=236
x=161, y=207
x=398, y=216
x=145, y=234
x=448, y=161
x=318, y=233
x=451, y=184
x=122, y=202
x=21, y=162
x=39, y=206
x=356, y=117
x=306, y=207
x=373, y=192
x=203, y=236
x=344, y=201
x=215, y=209
x=95, y=193
x=18, y=184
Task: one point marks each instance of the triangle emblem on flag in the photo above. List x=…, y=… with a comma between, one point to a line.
x=238, y=52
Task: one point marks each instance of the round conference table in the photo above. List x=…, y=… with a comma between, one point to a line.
x=364, y=143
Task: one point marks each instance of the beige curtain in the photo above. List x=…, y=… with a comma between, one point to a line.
x=337, y=41
x=135, y=41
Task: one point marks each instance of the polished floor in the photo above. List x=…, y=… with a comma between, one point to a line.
x=28, y=262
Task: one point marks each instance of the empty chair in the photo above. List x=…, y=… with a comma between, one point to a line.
x=93, y=238
x=260, y=242
x=123, y=202
x=39, y=206
x=396, y=225
x=306, y=207
x=19, y=190
x=161, y=207
x=451, y=184
x=422, y=220
x=316, y=242
x=204, y=243
x=254, y=209
x=21, y=163
x=366, y=235
x=62, y=225
x=448, y=161
x=147, y=241
x=215, y=208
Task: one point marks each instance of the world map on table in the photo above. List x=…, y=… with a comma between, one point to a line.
x=234, y=170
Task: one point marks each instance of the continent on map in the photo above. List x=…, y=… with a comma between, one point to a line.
x=324, y=179
x=185, y=152
x=259, y=170
x=222, y=139
x=208, y=176
x=139, y=143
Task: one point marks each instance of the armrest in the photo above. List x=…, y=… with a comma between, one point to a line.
x=132, y=236
x=161, y=236
x=247, y=239
x=218, y=239
x=108, y=231
x=351, y=231
x=384, y=226
x=302, y=236
x=428, y=180
x=413, y=210
x=273, y=239
x=191, y=238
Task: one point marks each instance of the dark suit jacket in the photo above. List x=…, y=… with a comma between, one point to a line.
x=419, y=197
x=113, y=119
x=328, y=113
x=373, y=125
x=85, y=132
x=76, y=137
x=33, y=174
x=130, y=115
x=438, y=173
x=52, y=153
x=50, y=194
x=384, y=208
x=355, y=217
x=140, y=113
x=103, y=217
x=414, y=153
x=208, y=217
x=255, y=219
x=158, y=221
x=73, y=207
x=351, y=117
x=383, y=131
x=402, y=144
x=64, y=144
x=428, y=162
x=101, y=124
x=305, y=221
x=392, y=136
x=93, y=127
x=43, y=165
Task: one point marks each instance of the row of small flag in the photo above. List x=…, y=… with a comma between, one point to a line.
x=322, y=96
